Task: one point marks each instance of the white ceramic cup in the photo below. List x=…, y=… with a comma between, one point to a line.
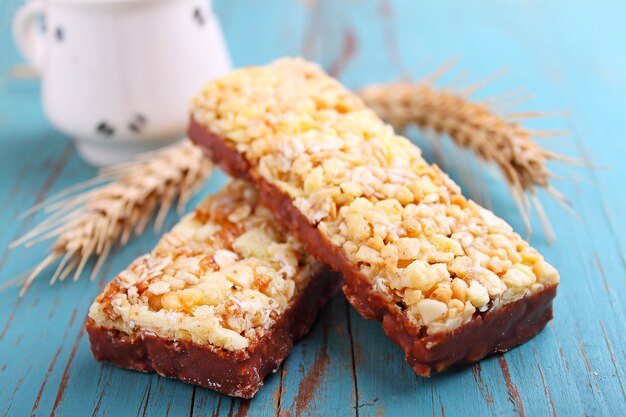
x=117, y=74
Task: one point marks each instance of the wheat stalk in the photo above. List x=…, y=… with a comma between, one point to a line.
x=477, y=126
x=88, y=224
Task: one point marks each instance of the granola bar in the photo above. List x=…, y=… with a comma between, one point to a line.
x=451, y=281
x=218, y=302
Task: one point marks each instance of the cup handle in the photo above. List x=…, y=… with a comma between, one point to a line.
x=28, y=37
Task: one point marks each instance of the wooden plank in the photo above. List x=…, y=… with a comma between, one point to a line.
x=318, y=375
x=600, y=247
x=346, y=366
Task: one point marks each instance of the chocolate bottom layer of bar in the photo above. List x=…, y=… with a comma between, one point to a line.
x=239, y=373
x=491, y=332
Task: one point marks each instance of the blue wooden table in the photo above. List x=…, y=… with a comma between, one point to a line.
x=572, y=56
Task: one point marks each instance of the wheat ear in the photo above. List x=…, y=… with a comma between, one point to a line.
x=477, y=126
x=87, y=224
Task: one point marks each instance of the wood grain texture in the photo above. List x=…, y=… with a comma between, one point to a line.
x=572, y=56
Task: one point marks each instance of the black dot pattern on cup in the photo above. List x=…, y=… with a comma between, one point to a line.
x=104, y=129
x=198, y=16
x=137, y=124
x=59, y=34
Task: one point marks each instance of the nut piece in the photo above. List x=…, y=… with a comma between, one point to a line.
x=431, y=310
x=171, y=301
x=519, y=276
x=546, y=273
x=459, y=289
x=422, y=276
x=368, y=255
x=447, y=245
x=488, y=279
x=224, y=257
x=477, y=294
x=408, y=247
x=159, y=287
